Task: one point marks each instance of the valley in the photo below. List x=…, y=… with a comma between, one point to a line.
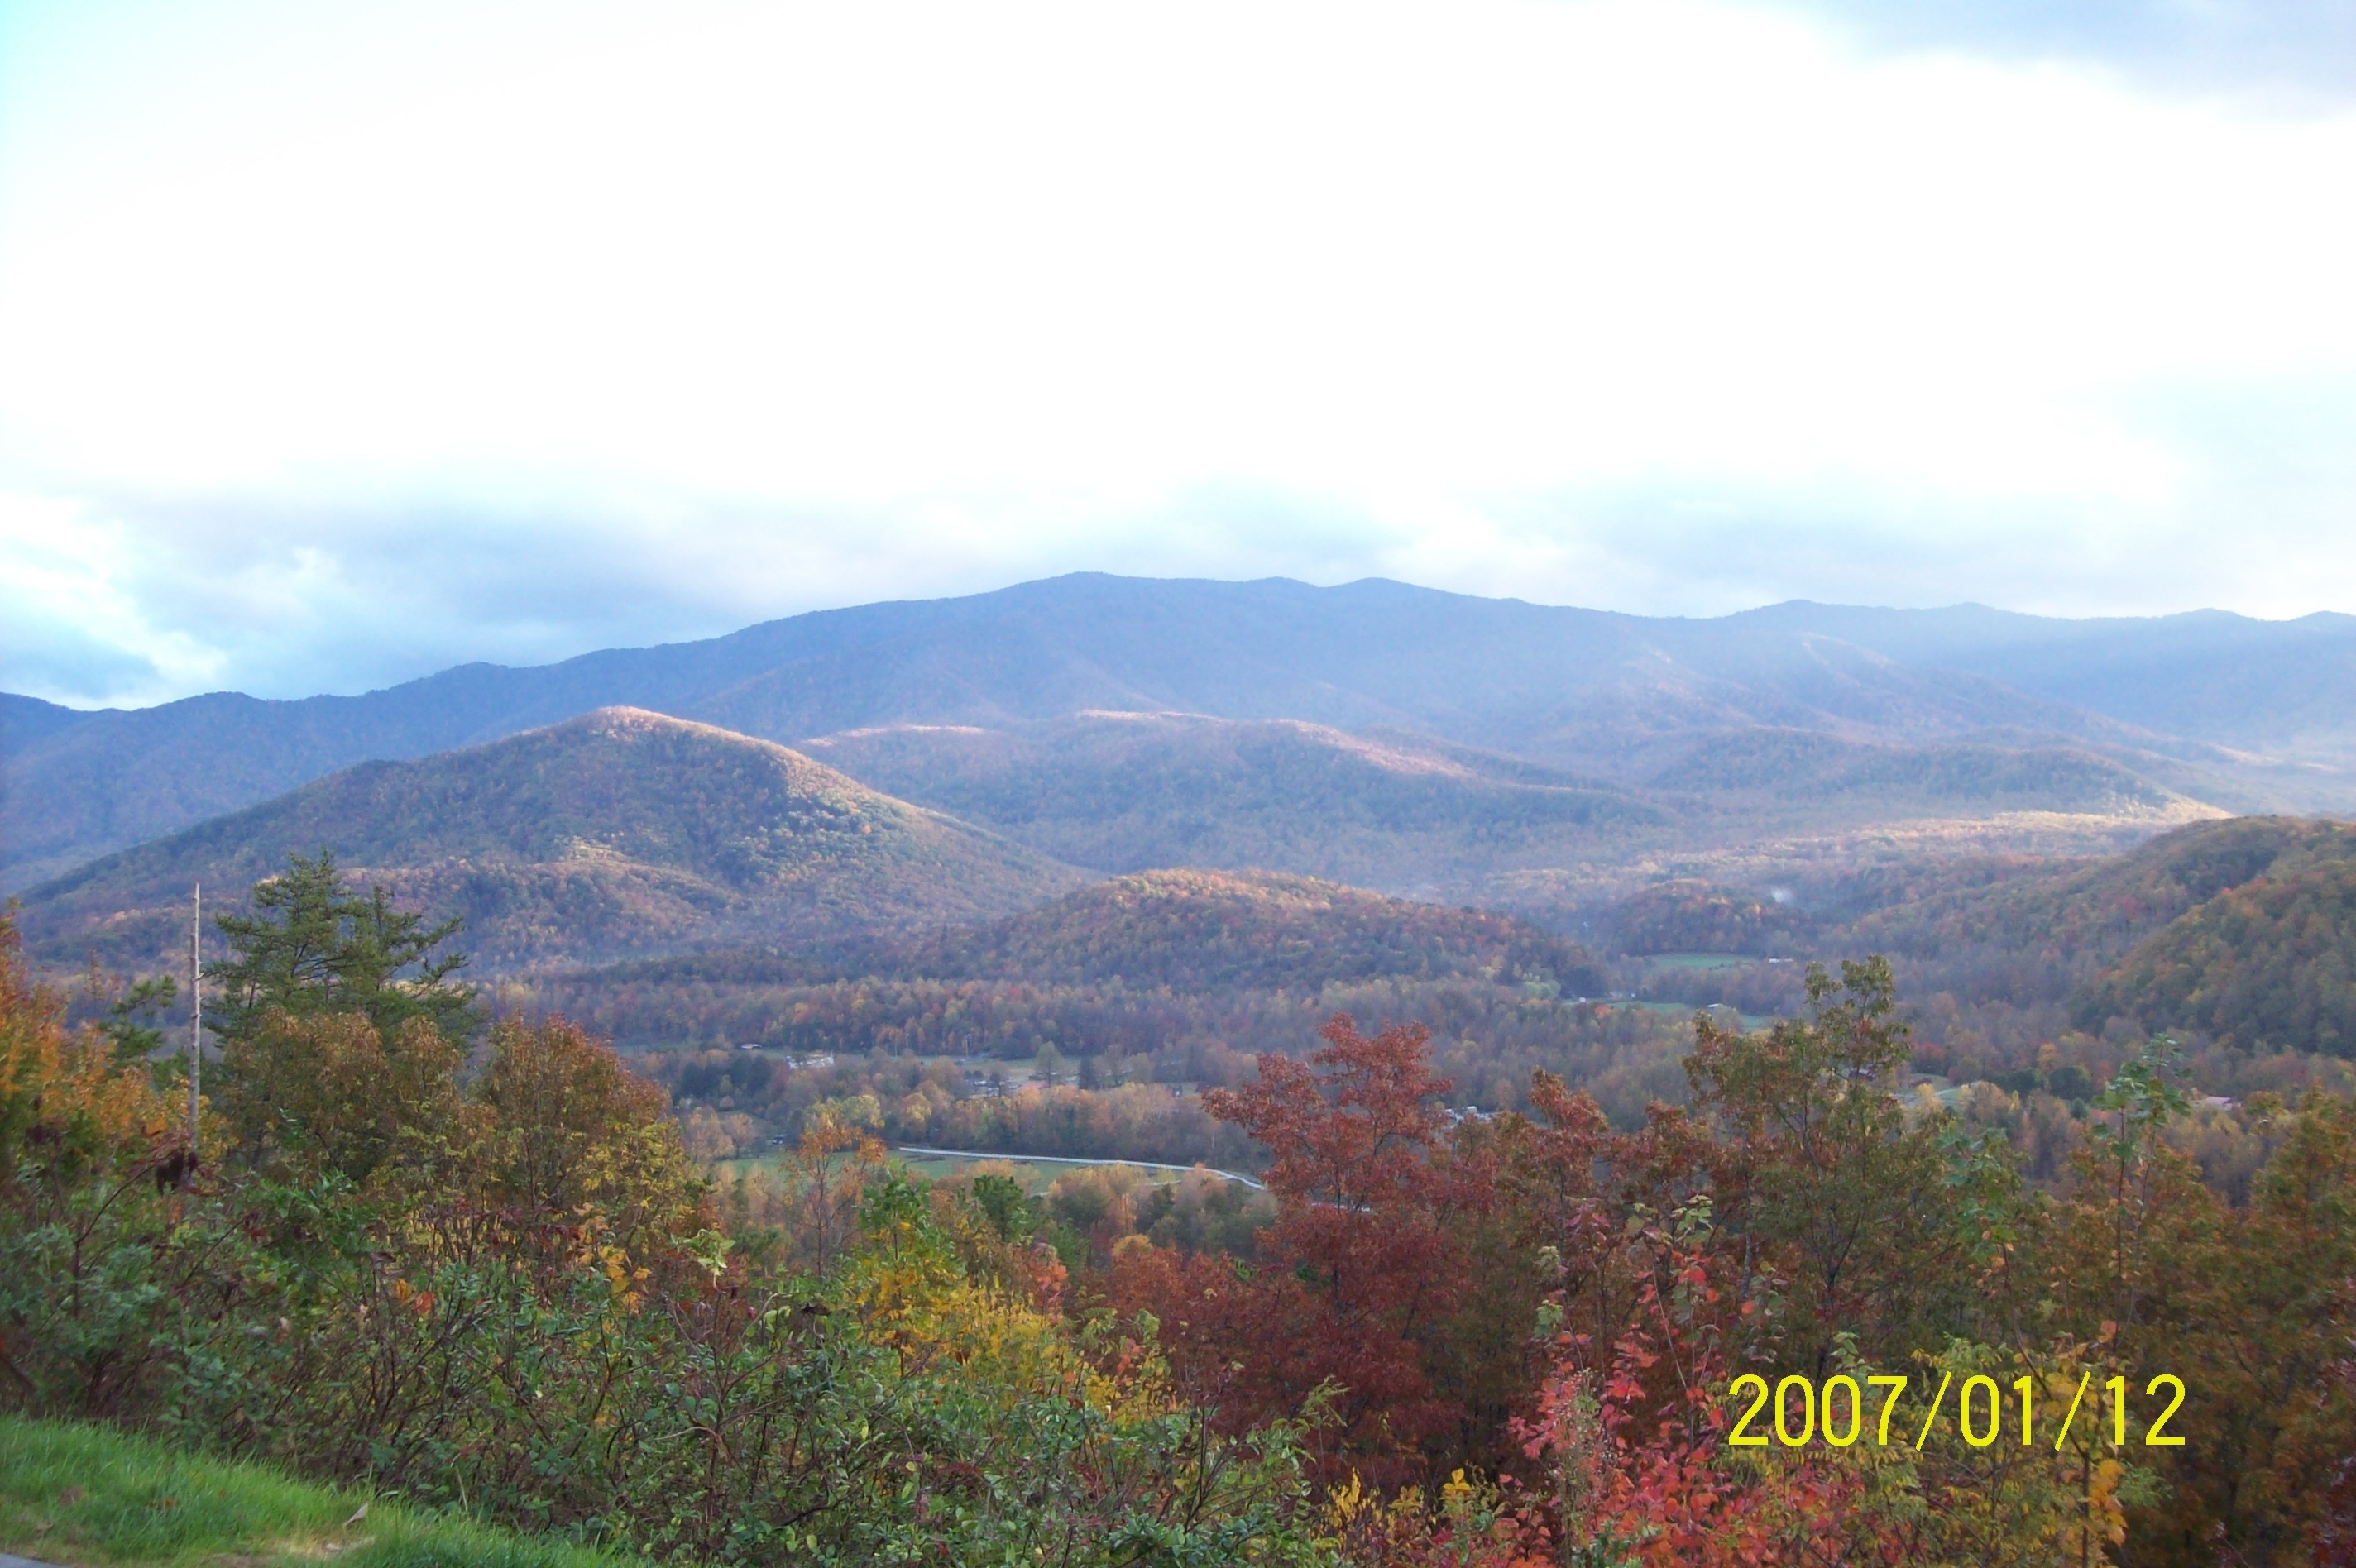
x=1540, y=833
x=1077, y=987
x=790, y=785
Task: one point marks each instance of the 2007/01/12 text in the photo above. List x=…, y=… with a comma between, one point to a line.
x=1980, y=1410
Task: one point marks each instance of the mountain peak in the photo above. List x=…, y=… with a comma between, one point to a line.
x=2256, y=713
x=618, y=830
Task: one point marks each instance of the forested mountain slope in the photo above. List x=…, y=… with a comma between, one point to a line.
x=2286, y=687
x=1589, y=691
x=2238, y=936
x=2078, y=919
x=2268, y=965
x=619, y=831
x=1784, y=766
x=1207, y=931
x=1168, y=976
x=25, y=719
x=1126, y=792
x=1185, y=931
x=1389, y=808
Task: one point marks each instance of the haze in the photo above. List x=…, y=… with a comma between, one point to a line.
x=338, y=345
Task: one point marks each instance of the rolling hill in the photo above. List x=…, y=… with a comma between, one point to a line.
x=2075, y=920
x=1399, y=812
x=2243, y=714
x=2236, y=935
x=2267, y=965
x=2158, y=935
x=1128, y=792
x=1687, y=916
x=1183, y=930
x=2282, y=688
x=617, y=832
x=1190, y=968
x=1210, y=930
x=1808, y=767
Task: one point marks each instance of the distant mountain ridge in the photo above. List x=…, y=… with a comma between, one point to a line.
x=617, y=832
x=2185, y=702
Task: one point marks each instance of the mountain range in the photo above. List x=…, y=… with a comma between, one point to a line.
x=617, y=832
x=2209, y=708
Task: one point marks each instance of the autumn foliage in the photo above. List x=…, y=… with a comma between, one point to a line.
x=484, y=1268
x=1802, y=1217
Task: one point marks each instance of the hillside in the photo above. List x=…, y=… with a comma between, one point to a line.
x=2267, y=965
x=1399, y=812
x=85, y=1493
x=2286, y=688
x=1785, y=765
x=620, y=831
x=25, y=719
x=1168, y=976
x=2078, y=920
x=1192, y=931
x=1207, y=931
x=2244, y=714
x=2237, y=935
x=1125, y=792
x=1687, y=916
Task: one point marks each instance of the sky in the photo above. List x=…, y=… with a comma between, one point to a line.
x=340, y=344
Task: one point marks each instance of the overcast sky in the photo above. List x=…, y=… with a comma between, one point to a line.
x=342, y=343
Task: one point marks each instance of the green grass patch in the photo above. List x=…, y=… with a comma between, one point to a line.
x=90, y=1497
x=1751, y=1021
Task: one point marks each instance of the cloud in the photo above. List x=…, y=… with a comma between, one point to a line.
x=79, y=625
x=285, y=602
x=2295, y=55
x=339, y=343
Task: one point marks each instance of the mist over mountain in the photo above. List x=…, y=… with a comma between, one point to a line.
x=2286, y=688
x=2215, y=708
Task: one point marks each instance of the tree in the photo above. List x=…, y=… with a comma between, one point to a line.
x=576, y=1133
x=315, y=946
x=134, y=1013
x=88, y=1151
x=829, y=1169
x=328, y=1092
x=1880, y=1223
x=2251, y=1307
x=1359, y=1260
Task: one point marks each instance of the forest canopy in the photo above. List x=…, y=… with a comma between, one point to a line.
x=496, y=1278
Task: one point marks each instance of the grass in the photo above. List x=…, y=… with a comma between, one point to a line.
x=89, y=1497
x=1687, y=1009
x=1035, y=1178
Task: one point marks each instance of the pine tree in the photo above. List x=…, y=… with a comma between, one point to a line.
x=313, y=946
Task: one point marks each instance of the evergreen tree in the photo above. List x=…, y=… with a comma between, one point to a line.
x=314, y=946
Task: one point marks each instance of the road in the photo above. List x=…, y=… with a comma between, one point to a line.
x=1066, y=1159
